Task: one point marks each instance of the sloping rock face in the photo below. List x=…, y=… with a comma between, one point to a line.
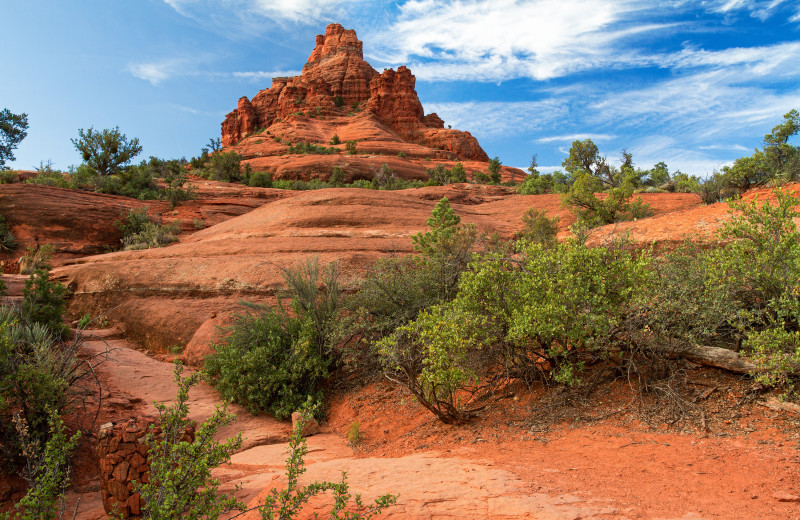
x=75, y=223
x=336, y=81
x=176, y=295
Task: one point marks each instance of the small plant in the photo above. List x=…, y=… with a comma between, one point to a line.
x=288, y=503
x=46, y=471
x=44, y=301
x=351, y=147
x=180, y=482
x=354, y=436
x=494, y=170
x=8, y=177
x=139, y=231
x=337, y=176
x=260, y=180
x=84, y=321
x=539, y=228
x=199, y=223
x=402, y=155
x=335, y=139
x=7, y=240
x=36, y=258
x=226, y=166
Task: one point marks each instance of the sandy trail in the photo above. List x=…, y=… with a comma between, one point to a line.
x=429, y=485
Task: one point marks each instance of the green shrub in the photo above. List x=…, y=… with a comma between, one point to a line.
x=539, y=228
x=84, y=321
x=47, y=470
x=401, y=155
x=269, y=362
x=8, y=177
x=494, y=170
x=351, y=147
x=106, y=151
x=36, y=258
x=7, y=241
x=338, y=101
x=335, y=140
x=139, y=231
x=615, y=207
x=337, y=176
x=310, y=148
x=288, y=503
x=180, y=483
x=562, y=307
x=226, y=167
x=434, y=356
x=39, y=377
x=260, y=180
x=44, y=301
x=354, y=435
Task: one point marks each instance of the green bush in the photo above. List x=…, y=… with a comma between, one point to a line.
x=39, y=377
x=36, y=258
x=288, y=503
x=226, y=167
x=615, y=207
x=440, y=176
x=44, y=301
x=47, y=470
x=434, y=356
x=539, y=228
x=351, y=147
x=269, y=362
x=563, y=307
x=337, y=177
x=260, y=180
x=106, y=151
x=8, y=177
x=139, y=231
x=494, y=170
x=335, y=140
x=7, y=241
x=180, y=483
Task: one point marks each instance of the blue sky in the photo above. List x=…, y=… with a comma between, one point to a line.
x=694, y=84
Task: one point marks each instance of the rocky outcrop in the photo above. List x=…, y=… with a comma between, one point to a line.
x=122, y=451
x=336, y=81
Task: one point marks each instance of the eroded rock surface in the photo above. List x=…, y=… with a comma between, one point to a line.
x=335, y=83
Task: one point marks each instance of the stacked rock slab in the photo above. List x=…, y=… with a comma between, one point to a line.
x=123, y=455
x=336, y=79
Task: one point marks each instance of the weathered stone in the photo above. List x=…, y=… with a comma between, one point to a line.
x=310, y=426
x=120, y=472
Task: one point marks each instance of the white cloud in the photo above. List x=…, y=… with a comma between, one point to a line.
x=265, y=75
x=154, y=72
x=761, y=9
x=502, y=118
x=504, y=39
x=252, y=13
x=734, y=147
x=576, y=137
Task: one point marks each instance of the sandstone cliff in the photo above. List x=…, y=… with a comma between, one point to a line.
x=335, y=82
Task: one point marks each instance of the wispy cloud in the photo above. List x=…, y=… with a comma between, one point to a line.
x=504, y=39
x=260, y=75
x=250, y=12
x=502, y=118
x=734, y=147
x=155, y=72
x=573, y=137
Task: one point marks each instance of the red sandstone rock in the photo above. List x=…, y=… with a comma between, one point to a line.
x=334, y=81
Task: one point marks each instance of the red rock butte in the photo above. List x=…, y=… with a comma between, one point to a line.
x=338, y=93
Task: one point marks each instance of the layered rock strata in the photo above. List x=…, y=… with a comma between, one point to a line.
x=336, y=81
